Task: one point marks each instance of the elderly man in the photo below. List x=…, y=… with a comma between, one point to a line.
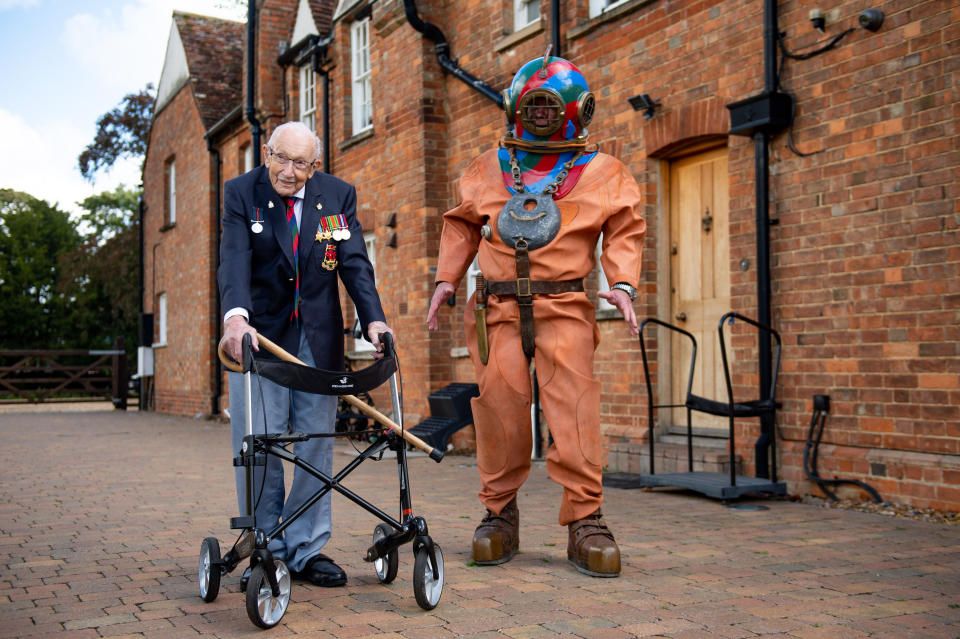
x=289, y=231
x=533, y=212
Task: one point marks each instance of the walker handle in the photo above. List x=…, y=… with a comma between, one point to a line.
x=388, y=347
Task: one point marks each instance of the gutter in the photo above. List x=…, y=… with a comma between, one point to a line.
x=251, y=111
x=442, y=48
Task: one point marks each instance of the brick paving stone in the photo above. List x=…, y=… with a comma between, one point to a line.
x=104, y=542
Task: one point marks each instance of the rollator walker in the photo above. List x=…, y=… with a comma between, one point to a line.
x=268, y=590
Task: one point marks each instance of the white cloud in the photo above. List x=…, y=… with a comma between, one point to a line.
x=33, y=160
x=14, y=4
x=104, y=49
x=124, y=47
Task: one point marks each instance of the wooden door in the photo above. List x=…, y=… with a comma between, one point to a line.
x=699, y=276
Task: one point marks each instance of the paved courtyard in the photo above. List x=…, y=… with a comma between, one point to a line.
x=103, y=512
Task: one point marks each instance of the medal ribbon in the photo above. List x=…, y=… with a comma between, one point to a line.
x=295, y=235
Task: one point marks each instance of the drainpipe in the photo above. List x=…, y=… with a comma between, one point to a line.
x=251, y=111
x=555, y=27
x=761, y=150
x=217, y=312
x=442, y=48
x=325, y=109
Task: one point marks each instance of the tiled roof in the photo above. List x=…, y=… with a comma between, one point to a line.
x=322, y=11
x=214, y=50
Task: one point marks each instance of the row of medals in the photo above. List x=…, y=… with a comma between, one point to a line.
x=338, y=234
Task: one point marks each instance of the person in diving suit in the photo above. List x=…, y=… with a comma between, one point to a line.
x=534, y=210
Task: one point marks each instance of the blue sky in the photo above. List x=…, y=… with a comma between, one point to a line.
x=66, y=62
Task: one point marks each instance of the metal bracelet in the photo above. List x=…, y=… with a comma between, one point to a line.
x=626, y=288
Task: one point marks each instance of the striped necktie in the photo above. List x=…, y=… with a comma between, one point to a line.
x=295, y=235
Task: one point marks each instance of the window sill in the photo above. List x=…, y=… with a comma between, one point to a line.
x=607, y=16
x=516, y=37
x=608, y=314
x=356, y=139
x=359, y=356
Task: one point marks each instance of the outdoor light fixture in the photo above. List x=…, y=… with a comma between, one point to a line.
x=818, y=20
x=871, y=19
x=645, y=103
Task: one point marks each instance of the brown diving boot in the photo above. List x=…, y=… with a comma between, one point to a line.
x=591, y=547
x=498, y=536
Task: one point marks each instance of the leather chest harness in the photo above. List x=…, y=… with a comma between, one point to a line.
x=527, y=222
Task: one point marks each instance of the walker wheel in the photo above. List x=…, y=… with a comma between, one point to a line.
x=386, y=567
x=263, y=608
x=208, y=572
x=426, y=588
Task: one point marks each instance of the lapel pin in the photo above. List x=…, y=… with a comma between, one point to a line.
x=270, y=204
x=319, y=206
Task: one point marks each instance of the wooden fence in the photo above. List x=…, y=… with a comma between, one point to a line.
x=35, y=376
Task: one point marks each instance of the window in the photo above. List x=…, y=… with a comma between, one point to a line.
x=360, y=75
x=170, y=193
x=599, y=6
x=370, y=242
x=247, y=158
x=602, y=285
x=525, y=12
x=308, y=97
x=161, y=320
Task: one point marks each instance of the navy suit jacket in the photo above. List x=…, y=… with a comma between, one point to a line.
x=257, y=270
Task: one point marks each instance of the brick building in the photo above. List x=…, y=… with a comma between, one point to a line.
x=861, y=183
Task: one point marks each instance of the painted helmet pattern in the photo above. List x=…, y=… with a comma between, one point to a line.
x=549, y=102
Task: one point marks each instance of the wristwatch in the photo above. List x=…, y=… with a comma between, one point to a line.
x=626, y=288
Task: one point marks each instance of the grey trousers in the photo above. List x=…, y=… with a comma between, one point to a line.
x=302, y=412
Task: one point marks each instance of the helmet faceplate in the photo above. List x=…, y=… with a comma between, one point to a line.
x=564, y=84
x=564, y=88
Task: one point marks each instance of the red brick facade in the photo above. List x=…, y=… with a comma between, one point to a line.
x=865, y=248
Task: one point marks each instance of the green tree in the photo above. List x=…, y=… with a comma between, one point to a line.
x=121, y=133
x=34, y=237
x=101, y=274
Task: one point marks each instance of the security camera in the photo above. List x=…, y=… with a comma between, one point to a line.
x=871, y=19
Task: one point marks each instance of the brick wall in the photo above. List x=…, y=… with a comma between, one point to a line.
x=866, y=241
x=864, y=254
x=178, y=259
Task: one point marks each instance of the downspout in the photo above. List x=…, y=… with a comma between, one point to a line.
x=442, y=48
x=141, y=210
x=555, y=27
x=761, y=150
x=251, y=112
x=325, y=107
x=217, y=312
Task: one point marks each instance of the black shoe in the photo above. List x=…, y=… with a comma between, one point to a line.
x=244, y=580
x=321, y=571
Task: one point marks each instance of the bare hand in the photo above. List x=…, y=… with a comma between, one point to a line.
x=374, y=331
x=233, y=331
x=622, y=301
x=440, y=295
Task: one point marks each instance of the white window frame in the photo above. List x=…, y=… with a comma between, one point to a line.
x=521, y=13
x=599, y=6
x=308, y=97
x=362, y=95
x=161, y=319
x=370, y=242
x=247, y=158
x=172, y=192
x=602, y=285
